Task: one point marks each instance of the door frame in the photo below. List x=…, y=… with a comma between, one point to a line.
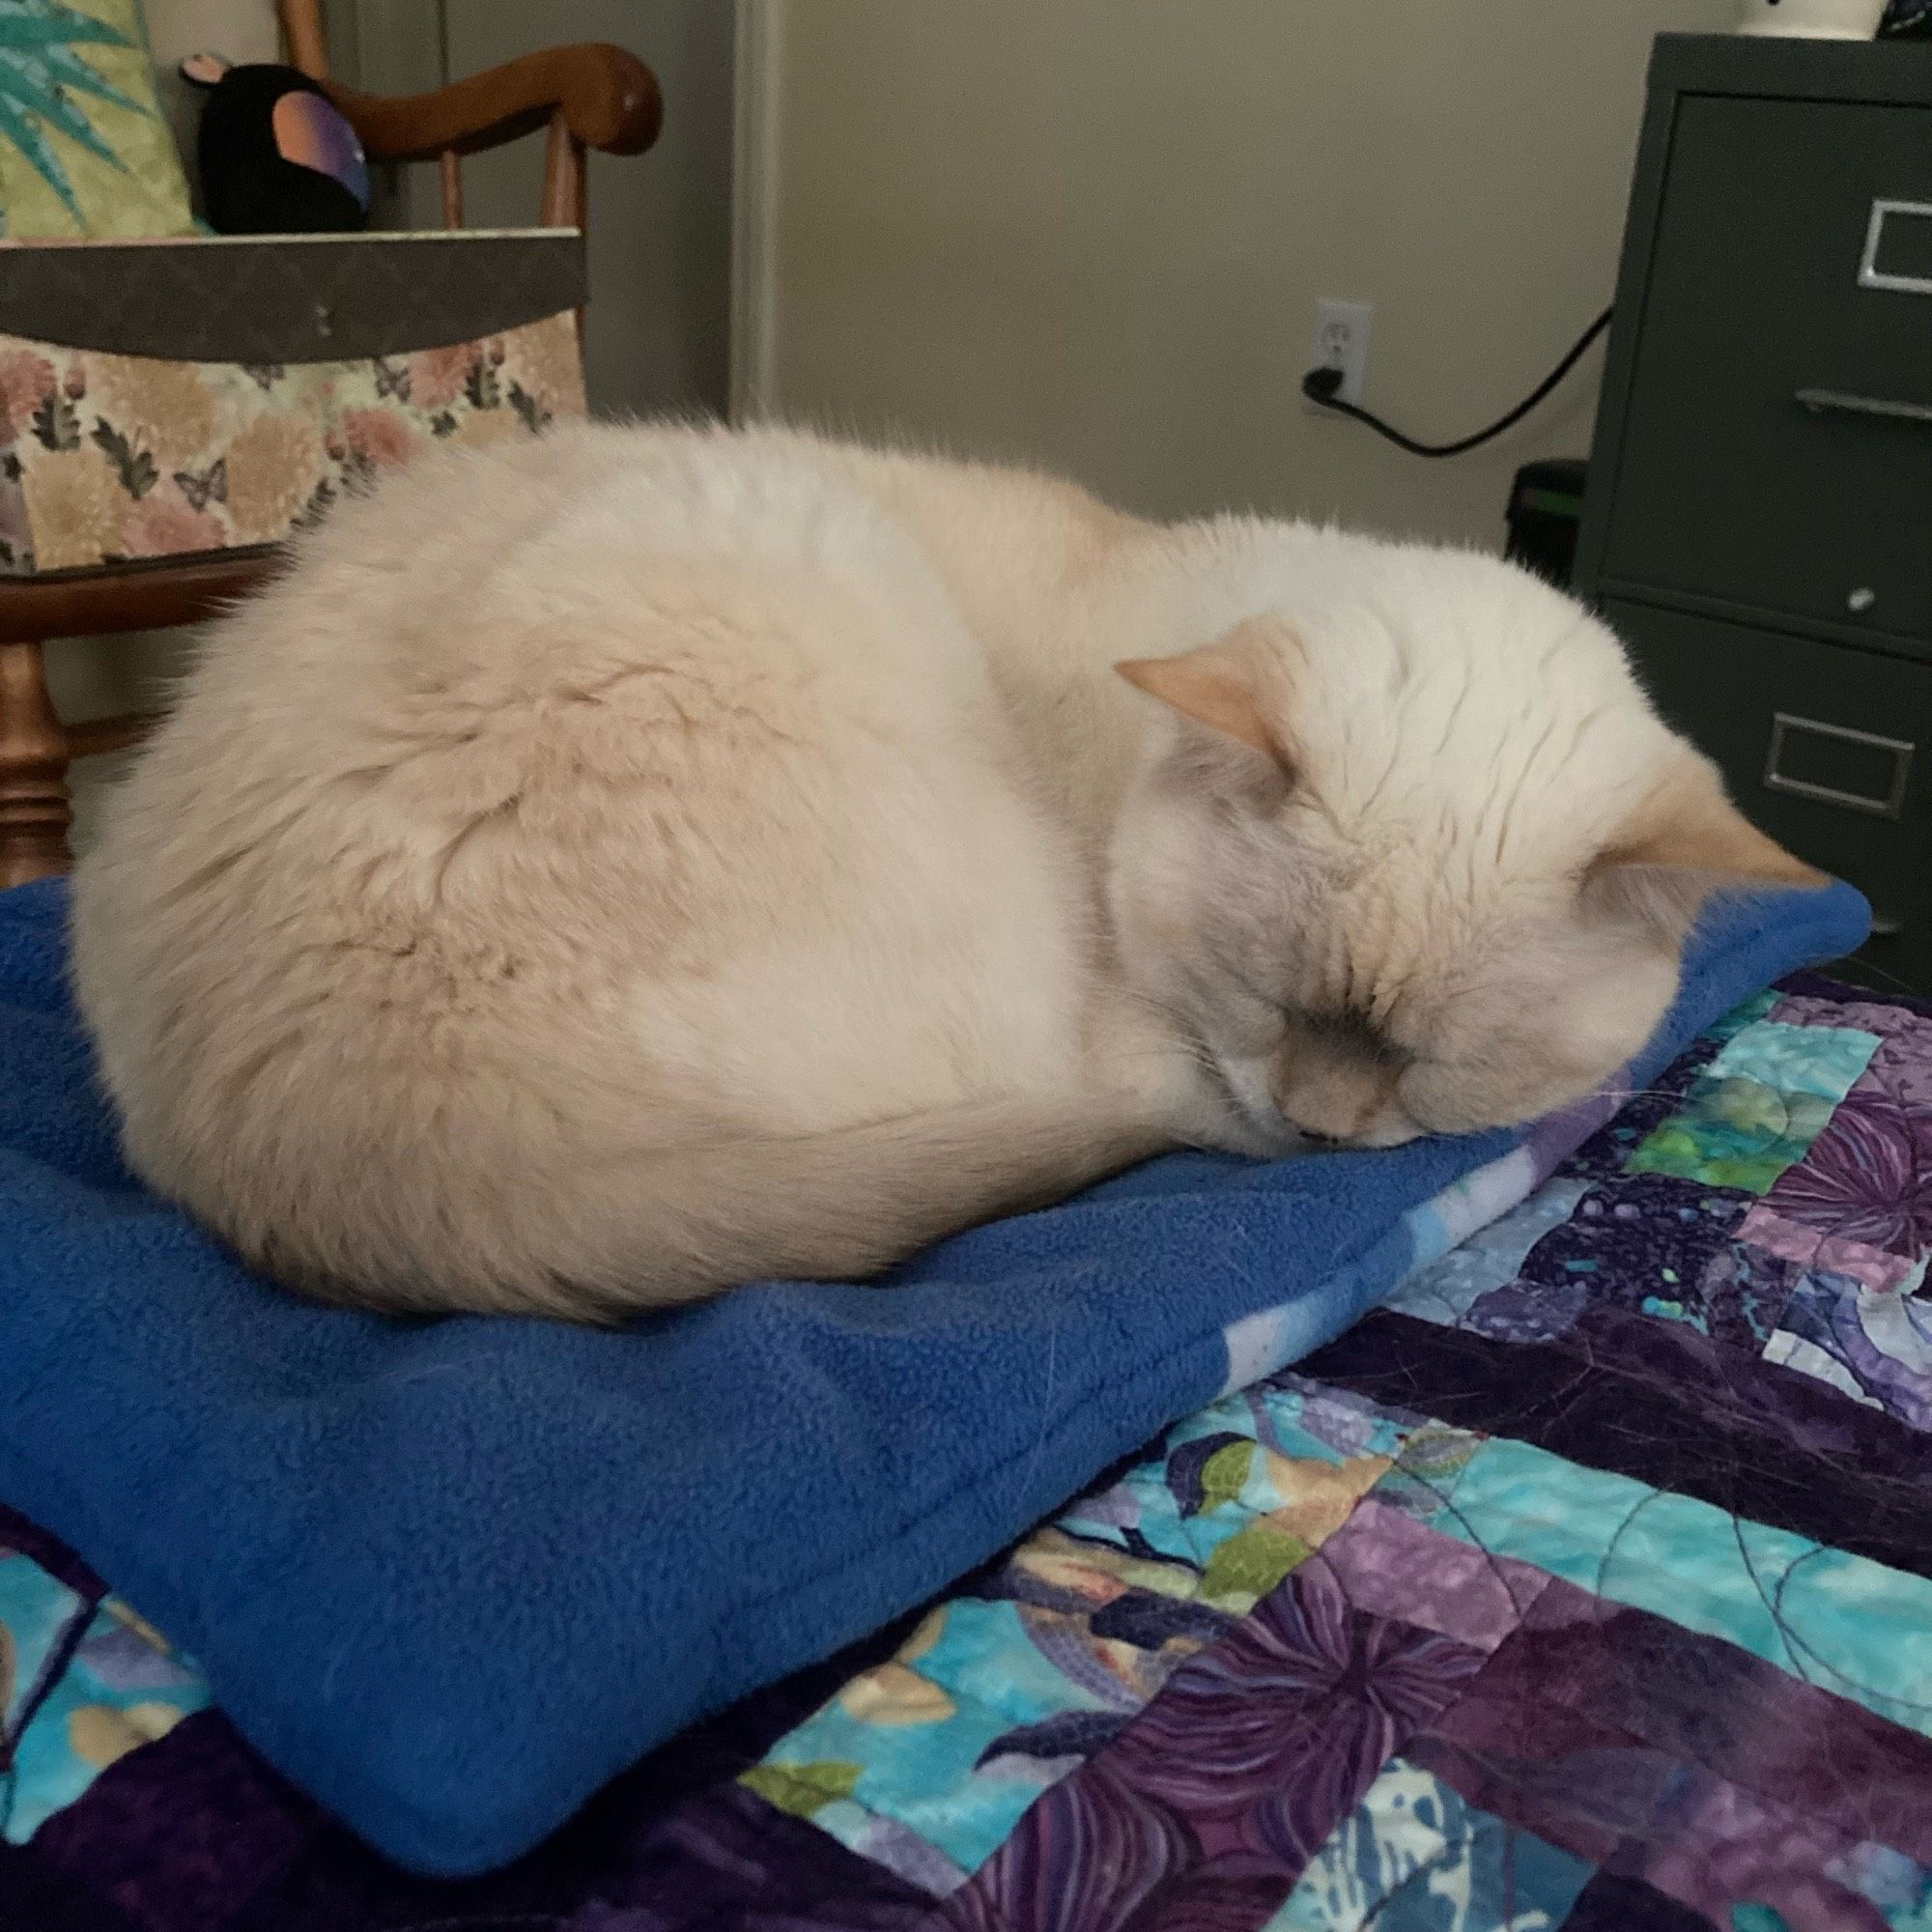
x=758, y=37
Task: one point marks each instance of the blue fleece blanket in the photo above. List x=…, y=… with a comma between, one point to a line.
x=452, y=1576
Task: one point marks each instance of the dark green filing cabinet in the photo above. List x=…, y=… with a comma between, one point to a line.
x=1759, y=521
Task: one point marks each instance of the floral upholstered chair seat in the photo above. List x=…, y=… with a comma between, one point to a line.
x=107, y=456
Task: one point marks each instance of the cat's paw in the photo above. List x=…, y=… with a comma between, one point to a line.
x=1234, y=1133
x=1200, y=1111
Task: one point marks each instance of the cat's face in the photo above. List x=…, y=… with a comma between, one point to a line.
x=1418, y=879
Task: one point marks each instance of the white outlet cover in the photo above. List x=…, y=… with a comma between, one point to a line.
x=1342, y=341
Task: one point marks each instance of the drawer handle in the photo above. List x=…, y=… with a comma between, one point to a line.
x=1841, y=402
x=1870, y=275
x=1785, y=724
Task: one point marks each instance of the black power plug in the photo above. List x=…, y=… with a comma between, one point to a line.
x=1321, y=387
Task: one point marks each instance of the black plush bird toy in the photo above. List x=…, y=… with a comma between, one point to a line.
x=276, y=155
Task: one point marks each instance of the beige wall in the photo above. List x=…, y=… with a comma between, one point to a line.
x=1095, y=231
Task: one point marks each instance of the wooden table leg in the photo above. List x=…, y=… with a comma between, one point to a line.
x=34, y=811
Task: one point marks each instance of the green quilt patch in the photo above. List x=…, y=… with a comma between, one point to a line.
x=1758, y=1106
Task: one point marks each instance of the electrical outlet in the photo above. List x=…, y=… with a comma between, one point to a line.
x=1342, y=342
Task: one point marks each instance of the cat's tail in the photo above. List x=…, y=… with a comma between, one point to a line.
x=618, y=1238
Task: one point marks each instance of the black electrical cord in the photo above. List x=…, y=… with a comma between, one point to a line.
x=1318, y=386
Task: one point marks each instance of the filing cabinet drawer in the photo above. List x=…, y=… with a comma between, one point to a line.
x=1828, y=747
x=1776, y=449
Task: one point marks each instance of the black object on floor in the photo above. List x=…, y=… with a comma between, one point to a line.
x=1546, y=510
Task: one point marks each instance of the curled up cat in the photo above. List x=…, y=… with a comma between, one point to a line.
x=614, y=866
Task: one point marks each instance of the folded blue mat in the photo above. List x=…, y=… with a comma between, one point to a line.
x=452, y=1576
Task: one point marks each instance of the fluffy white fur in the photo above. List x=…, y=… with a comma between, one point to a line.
x=615, y=865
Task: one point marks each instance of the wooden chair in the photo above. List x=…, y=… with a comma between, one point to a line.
x=583, y=97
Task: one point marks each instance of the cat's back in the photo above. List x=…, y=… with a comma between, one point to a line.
x=491, y=830
x=496, y=627
x=511, y=684
x=505, y=562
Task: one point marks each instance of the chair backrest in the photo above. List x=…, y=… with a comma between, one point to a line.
x=304, y=35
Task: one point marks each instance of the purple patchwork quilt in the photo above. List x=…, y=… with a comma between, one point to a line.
x=1587, y=1585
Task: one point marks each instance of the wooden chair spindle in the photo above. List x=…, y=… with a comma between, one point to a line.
x=451, y=163
x=34, y=813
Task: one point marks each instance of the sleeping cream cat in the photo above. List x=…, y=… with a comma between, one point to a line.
x=633, y=861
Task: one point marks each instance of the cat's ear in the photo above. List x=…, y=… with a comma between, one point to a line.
x=1686, y=841
x=1226, y=686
